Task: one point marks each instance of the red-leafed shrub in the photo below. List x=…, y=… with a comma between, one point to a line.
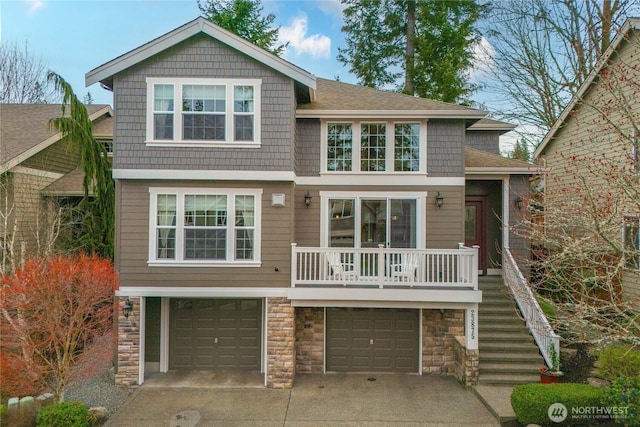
x=51, y=314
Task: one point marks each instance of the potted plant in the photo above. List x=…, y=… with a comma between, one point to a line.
x=552, y=374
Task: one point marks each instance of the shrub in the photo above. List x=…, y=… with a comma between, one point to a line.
x=624, y=392
x=621, y=360
x=65, y=414
x=3, y=415
x=531, y=402
x=577, y=367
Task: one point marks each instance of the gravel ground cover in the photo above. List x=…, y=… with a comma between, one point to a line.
x=98, y=391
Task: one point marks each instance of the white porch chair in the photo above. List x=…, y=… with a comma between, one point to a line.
x=342, y=271
x=405, y=271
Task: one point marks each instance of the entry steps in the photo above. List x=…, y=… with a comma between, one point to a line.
x=508, y=354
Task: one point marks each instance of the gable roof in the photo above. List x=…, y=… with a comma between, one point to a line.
x=25, y=129
x=632, y=24
x=482, y=162
x=105, y=72
x=337, y=99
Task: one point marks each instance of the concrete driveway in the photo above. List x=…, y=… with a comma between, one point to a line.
x=315, y=400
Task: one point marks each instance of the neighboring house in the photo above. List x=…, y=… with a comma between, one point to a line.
x=596, y=138
x=273, y=221
x=36, y=165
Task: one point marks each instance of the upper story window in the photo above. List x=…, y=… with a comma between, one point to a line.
x=631, y=241
x=203, y=112
x=204, y=226
x=374, y=147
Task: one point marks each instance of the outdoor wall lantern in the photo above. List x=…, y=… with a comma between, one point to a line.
x=127, y=308
x=518, y=203
x=307, y=198
x=439, y=200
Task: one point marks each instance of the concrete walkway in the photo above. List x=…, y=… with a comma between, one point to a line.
x=315, y=400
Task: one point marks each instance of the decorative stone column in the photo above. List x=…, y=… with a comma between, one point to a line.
x=439, y=330
x=280, y=343
x=127, y=372
x=467, y=369
x=309, y=339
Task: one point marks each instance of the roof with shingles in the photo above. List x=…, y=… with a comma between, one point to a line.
x=69, y=185
x=474, y=158
x=24, y=126
x=339, y=96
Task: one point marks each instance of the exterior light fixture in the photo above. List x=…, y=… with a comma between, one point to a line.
x=518, y=203
x=127, y=308
x=307, y=198
x=439, y=200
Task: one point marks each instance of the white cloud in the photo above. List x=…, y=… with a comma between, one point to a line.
x=316, y=45
x=34, y=5
x=483, y=54
x=331, y=7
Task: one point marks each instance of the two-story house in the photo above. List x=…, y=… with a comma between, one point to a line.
x=272, y=221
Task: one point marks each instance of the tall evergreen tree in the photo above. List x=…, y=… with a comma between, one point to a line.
x=244, y=18
x=99, y=189
x=423, y=47
x=520, y=151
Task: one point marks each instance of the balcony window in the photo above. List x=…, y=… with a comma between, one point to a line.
x=382, y=147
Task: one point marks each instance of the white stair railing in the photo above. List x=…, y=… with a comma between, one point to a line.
x=536, y=321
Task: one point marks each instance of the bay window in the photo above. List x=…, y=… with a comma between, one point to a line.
x=212, y=112
x=204, y=226
x=374, y=147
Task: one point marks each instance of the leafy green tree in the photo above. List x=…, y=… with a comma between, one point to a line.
x=99, y=189
x=424, y=48
x=244, y=18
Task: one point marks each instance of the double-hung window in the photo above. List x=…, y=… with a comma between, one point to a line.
x=631, y=241
x=203, y=112
x=374, y=147
x=212, y=226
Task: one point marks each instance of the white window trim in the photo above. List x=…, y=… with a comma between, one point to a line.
x=180, y=193
x=389, y=153
x=229, y=112
x=325, y=196
x=624, y=238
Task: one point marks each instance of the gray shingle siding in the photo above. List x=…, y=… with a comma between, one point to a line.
x=519, y=245
x=308, y=147
x=203, y=57
x=445, y=148
x=488, y=141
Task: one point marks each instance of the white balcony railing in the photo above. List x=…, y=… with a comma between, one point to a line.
x=383, y=267
x=535, y=319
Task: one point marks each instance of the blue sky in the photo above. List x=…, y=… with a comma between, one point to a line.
x=73, y=37
x=76, y=36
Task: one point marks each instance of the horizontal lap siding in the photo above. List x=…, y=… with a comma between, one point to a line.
x=443, y=228
x=631, y=287
x=133, y=241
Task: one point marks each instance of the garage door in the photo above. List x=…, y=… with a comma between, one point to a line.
x=215, y=334
x=372, y=340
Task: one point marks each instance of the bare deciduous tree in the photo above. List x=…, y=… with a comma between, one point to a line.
x=581, y=259
x=543, y=50
x=23, y=77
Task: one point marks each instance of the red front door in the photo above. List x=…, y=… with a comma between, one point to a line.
x=475, y=228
